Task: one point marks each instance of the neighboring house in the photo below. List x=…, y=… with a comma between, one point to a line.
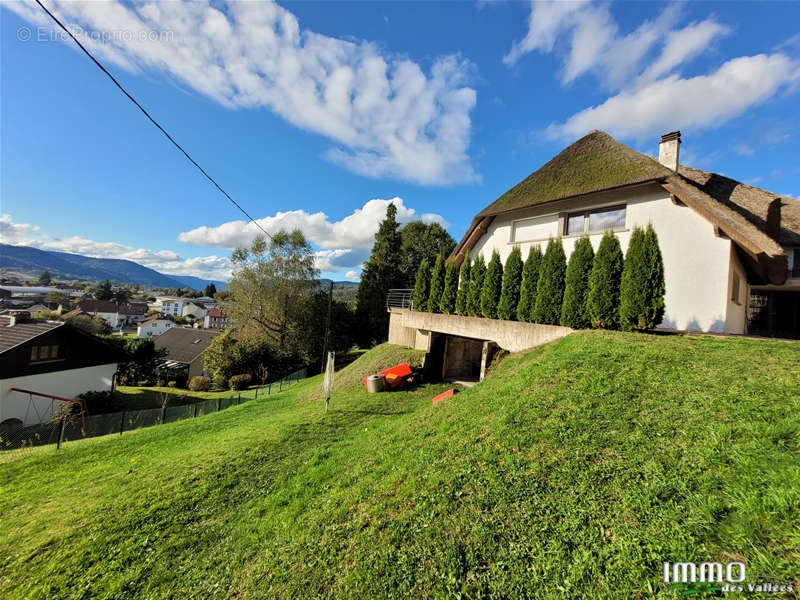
x=37, y=308
x=50, y=358
x=206, y=301
x=215, y=319
x=170, y=305
x=731, y=251
x=196, y=310
x=154, y=325
x=104, y=309
x=132, y=313
x=185, y=347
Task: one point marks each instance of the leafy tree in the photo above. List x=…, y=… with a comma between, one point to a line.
x=550, y=287
x=144, y=359
x=492, y=286
x=463, y=288
x=437, y=285
x=476, y=276
x=121, y=295
x=422, y=241
x=575, y=310
x=448, y=303
x=419, y=299
x=89, y=324
x=512, y=279
x=380, y=273
x=604, y=283
x=44, y=278
x=103, y=291
x=641, y=289
x=210, y=290
x=530, y=279
x=271, y=285
x=54, y=299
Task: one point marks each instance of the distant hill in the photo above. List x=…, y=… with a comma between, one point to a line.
x=63, y=265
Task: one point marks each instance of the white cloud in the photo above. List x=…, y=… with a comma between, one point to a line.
x=744, y=150
x=352, y=276
x=343, y=244
x=700, y=102
x=386, y=116
x=164, y=261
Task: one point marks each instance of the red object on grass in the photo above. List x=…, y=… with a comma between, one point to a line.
x=444, y=395
x=395, y=376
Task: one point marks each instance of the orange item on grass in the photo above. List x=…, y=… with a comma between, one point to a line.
x=448, y=394
x=395, y=376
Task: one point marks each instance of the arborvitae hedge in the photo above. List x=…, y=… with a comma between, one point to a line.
x=448, y=302
x=604, y=283
x=550, y=289
x=476, y=275
x=419, y=299
x=641, y=290
x=463, y=288
x=492, y=286
x=574, y=311
x=530, y=279
x=512, y=278
x=437, y=285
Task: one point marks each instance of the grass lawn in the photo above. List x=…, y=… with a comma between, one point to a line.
x=573, y=472
x=137, y=398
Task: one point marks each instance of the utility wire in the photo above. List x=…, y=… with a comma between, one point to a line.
x=152, y=120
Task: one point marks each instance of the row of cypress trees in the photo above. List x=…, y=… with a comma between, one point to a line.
x=602, y=290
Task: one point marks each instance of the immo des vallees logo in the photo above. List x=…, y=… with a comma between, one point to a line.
x=708, y=577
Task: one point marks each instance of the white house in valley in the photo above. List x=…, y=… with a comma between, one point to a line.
x=154, y=325
x=731, y=251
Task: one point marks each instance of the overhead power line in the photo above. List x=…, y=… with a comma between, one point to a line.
x=152, y=120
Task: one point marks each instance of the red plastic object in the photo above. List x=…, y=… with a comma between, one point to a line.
x=444, y=395
x=395, y=376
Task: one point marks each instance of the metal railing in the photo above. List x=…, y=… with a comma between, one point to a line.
x=399, y=298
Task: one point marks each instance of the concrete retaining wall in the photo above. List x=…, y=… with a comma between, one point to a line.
x=407, y=325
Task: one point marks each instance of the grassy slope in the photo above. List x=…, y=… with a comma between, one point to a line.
x=573, y=472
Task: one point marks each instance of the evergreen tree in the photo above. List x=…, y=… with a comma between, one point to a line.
x=575, y=311
x=380, y=273
x=463, y=288
x=476, y=275
x=437, y=285
x=447, y=305
x=641, y=289
x=492, y=286
x=103, y=291
x=550, y=287
x=530, y=279
x=419, y=299
x=210, y=290
x=45, y=278
x=512, y=278
x=604, y=283
x=658, y=286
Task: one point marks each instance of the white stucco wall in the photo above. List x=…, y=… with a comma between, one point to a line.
x=67, y=384
x=153, y=328
x=697, y=263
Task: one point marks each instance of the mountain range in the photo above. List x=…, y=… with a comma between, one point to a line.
x=63, y=265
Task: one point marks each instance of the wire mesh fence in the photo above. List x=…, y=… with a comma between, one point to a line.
x=76, y=427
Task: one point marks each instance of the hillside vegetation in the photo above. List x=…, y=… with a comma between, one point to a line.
x=572, y=472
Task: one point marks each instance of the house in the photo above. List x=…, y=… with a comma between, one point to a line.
x=131, y=313
x=40, y=360
x=185, y=347
x=215, y=319
x=731, y=251
x=154, y=325
x=195, y=310
x=104, y=309
x=170, y=305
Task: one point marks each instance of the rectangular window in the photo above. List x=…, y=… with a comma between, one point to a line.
x=735, y=287
x=596, y=221
x=40, y=353
x=538, y=228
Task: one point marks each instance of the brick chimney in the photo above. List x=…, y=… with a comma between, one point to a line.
x=668, y=150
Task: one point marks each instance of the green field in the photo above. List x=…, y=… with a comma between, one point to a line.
x=573, y=472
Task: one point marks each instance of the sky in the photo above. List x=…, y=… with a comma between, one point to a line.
x=318, y=114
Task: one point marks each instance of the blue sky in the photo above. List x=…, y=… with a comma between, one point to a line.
x=316, y=114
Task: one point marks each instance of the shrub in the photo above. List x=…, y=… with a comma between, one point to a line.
x=574, y=311
x=199, y=383
x=463, y=287
x=220, y=381
x=492, y=286
x=530, y=279
x=604, y=283
x=447, y=305
x=550, y=287
x=437, y=285
x=641, y=288
x=512, y=278
x=419, y=299
x=476, y=275
x=172, y=384
x=239, y=382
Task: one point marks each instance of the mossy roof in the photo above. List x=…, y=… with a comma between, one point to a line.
x=594, y=163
